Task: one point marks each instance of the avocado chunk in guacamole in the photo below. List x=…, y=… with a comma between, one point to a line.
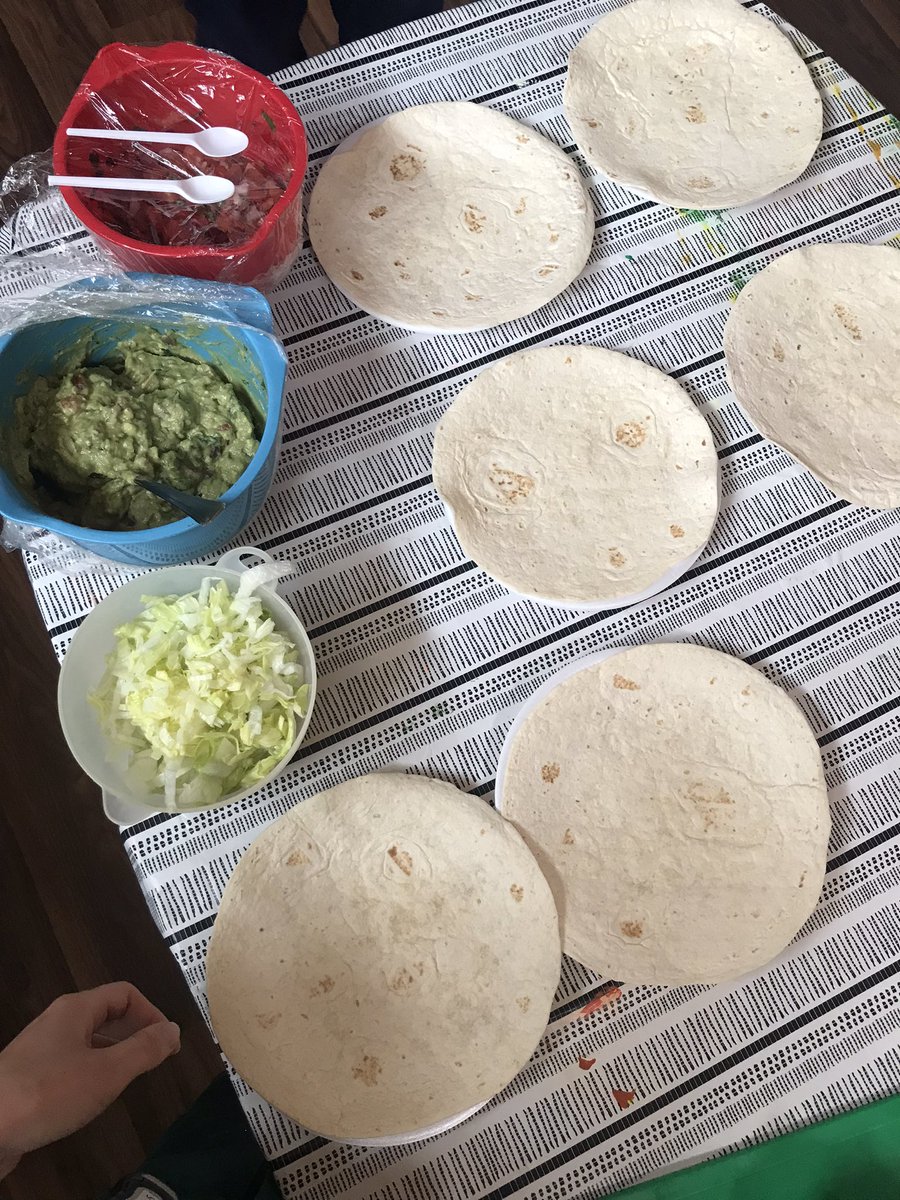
x=152, y=411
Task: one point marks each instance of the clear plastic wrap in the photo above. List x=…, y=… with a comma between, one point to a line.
x=54, y=319
x=251, y=238
x=56, y=554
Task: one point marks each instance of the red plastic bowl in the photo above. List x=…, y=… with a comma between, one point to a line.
x=182, y=88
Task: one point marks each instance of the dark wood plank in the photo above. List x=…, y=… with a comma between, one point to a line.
x=74, y=915
x=172, y=23
x=862, y=35
x=25, y=123
x=56, y=40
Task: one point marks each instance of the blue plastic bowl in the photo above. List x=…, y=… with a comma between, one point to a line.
x=245, y=350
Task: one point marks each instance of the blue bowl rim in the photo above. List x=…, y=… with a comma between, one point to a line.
x=121, y=537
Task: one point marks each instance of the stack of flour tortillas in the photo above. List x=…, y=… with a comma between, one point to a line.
x=578, y=475
x=697, y=103
x=450, y=217
x=676, y=801
x=384, y=958
x=813, y=355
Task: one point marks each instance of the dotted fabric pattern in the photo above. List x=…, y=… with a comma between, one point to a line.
x=424, y=661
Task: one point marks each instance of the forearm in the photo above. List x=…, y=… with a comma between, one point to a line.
x=11, y=1116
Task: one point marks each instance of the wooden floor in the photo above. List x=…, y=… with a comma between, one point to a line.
x=71, y=912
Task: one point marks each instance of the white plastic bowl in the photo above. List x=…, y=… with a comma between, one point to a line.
x=85, y=663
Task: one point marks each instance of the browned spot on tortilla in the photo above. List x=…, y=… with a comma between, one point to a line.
x=847, y=319
x=517, y=892
x=676, y=531
x=523, y=138
x=616, y=558
x=625, y=685
x=367, y=1070
x=591, y=124
x=466, y=272
x=512, y=485
x=778, y=351
x=375, y=213
x=520, y=207
x=630, y=126
x=406, y=277
x=550, y=772
x=267, y=1020
x=802, y=879
x=405, y=167
x=695, y=114
x=547, y=270
x=632, y=929
x=700, y=183
x=398, y=262
x=745, y=691
x=410, y=146
x=323, y=987
x=631, y=433
x=469, y=296
x=554, y=236
x=402, y=980
x=568, y=360
x=792, y=129
x=473, y=220
x=296, y=858
x=356, y=275
x=568, y=839
x=712, y=795
x=401, y=859
x=712, y=681
x=419, y=968
x=524, y=1002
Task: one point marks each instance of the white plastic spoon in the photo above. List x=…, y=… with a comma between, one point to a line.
x=198, y=189
x=219, y=142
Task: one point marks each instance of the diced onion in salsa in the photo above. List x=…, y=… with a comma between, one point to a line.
x=162, y=220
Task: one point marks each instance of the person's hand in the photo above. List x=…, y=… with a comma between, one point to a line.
x=73, y=1060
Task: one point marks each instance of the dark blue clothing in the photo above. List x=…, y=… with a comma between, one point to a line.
x=263, y=33
x=208, y=1154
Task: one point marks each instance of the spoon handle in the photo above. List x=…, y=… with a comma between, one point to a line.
x=111, y=183
x=196, y=507
x=135, y=135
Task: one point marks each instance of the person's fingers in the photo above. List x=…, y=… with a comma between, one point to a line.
x=111, y=1002
x=123, y=1027
x=142, y=1051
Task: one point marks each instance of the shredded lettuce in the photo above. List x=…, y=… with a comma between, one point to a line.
x=202, y=694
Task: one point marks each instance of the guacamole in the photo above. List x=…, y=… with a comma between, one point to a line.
x=152, y=411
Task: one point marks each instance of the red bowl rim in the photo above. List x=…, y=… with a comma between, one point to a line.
x=218, y=253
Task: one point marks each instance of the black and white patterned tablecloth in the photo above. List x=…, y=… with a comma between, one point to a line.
x=424, y=660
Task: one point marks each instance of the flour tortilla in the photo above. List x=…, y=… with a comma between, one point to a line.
x=450, y=216
x=698, y=103
x=676, y=801
x=384, y=958
x=813, y=356
x=577, y=474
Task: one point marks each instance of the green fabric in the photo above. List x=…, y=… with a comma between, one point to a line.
x=851, y=1157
